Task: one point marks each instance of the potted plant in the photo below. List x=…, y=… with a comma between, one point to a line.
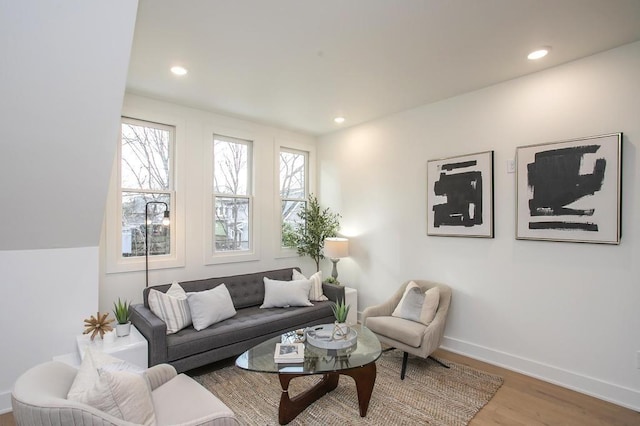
x=316, y=225
x=340, y=312
x=121, y=312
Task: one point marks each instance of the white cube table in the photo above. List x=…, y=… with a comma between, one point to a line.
x=131, y=348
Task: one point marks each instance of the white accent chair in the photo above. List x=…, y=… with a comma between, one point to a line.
x=40, y=398
x=409, y=336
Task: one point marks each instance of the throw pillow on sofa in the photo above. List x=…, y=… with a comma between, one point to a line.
x=315, y=293
x=418, y=305
x=210, y=306
x=282, y=294
x=171, y=307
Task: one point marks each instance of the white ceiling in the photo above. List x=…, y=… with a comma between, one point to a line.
x=297, y=64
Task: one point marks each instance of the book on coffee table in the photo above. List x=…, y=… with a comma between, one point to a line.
x=289, y=352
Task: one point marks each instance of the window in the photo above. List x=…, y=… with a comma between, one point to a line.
x=232, y=195
x=293, y=191
x=146, y=185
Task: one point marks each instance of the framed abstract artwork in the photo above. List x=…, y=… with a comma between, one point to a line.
x=570, y=190
x=460, y=196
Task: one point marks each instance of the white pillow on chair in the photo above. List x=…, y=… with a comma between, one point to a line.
x=418, y=305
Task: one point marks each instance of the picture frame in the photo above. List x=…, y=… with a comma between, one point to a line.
x=460, y=196
x=570, y=190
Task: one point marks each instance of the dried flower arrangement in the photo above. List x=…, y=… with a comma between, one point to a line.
x=97, y=325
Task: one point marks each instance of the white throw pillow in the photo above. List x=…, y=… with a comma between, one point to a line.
x=210, y=306
x=171, y=307
x=282, y=294
x=418, y=305
x=114, y=387
x=315, y=293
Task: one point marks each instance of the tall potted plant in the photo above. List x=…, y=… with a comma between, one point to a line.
x=121, y=312
x=316, y=225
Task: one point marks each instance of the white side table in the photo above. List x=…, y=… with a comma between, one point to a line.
x=351, y=296
x=131, y=348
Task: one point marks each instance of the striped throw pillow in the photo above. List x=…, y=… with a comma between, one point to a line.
x=171, y=307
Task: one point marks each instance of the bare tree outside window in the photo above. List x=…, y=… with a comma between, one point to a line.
x=232, y=194
x=145, y=175
x=293, y=192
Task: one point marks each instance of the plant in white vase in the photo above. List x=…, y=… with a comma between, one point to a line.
x=340, y=312
x=121, y=312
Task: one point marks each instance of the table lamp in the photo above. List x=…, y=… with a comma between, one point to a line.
x=334, y=249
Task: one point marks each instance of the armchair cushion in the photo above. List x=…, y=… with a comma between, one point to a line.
x=113, y=386
x=182, y=401
x=408, y=332
x=418, y=305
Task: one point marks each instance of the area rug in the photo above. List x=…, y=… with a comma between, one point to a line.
x=429, y=395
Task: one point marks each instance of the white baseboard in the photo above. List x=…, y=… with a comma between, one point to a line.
x=619, y=395
x=5, y=402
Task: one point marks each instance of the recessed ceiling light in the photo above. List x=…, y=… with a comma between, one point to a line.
x=540, y=53
x=177, y=70
x=339, y=120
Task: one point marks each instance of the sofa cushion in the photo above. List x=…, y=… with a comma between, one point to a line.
x=282, y=294
x=247, y=324
x=210, y=306
x=246, y=289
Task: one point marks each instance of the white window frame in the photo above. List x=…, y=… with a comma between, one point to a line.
x=211, y=256
x=115, y=262
x=310, y=183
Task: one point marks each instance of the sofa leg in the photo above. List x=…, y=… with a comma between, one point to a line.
x=439, y=362
x=405, y=357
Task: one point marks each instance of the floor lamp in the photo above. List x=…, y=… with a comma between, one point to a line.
x=165, y=222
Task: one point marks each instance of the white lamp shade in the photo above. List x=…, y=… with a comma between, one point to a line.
x=335, y=248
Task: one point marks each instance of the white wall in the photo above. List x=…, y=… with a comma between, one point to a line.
x=46, y=295
x=62, y=84
x=198, y=127
x=565, y=312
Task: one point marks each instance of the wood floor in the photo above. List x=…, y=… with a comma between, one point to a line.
x=526, y=401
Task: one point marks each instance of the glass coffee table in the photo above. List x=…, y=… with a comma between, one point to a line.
x=357, y=361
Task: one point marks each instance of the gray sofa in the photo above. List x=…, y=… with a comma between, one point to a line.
x=188, y=348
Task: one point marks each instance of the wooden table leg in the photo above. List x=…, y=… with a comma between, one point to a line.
x=365, y=378
x=291, y=407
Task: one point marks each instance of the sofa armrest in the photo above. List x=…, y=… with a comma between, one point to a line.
x=160, y=374
x=333, y=292
x=154, y=330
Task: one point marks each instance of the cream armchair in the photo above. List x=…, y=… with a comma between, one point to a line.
x=409, y=336
x=40, y=398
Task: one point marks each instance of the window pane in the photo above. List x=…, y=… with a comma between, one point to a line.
x=231, y=230
x=292, y=175
x=290, y=221
x=145, y=157
x=133, y=228
x=230, y=167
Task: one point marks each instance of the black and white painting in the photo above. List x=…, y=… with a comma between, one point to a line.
x=460, y=196
x=570, y=190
